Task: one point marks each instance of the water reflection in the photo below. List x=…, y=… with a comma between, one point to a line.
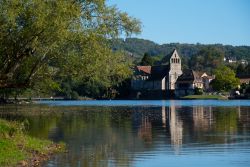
x=133, y=136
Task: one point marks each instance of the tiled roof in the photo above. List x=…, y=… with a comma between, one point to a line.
x=246, y=76
x=200, y=73
x=167, y=57
x=209, y=77
x=159, y=72
x=145, y=69
x=190, y=75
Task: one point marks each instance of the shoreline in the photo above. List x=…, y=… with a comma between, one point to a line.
x=22, y=150
x=39, y=158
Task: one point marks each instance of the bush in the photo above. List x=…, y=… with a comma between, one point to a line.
x=198, y=91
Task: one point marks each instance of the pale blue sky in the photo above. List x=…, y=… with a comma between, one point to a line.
x=191, y=21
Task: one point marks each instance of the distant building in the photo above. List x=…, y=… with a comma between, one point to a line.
x=244, y=62
x=168, y=80
x=207, y=79
x=157, y=78
x=244, y=79
x=230, y=60
x=189, y=80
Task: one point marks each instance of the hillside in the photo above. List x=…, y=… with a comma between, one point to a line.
x=137, y=48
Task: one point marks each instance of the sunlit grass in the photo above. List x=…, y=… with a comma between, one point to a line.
x=216, y=97
x=15, y=146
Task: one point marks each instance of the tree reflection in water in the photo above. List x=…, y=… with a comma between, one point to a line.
x=121, y=136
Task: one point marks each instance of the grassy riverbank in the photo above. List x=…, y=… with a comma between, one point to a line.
x=215, y=97
x=19, y=149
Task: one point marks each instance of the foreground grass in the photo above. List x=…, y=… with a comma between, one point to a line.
x=19, y=149
x=216, y=97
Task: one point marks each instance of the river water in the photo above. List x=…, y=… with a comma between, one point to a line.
x=205, y=133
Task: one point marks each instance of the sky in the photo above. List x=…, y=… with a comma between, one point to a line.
x=191, y=21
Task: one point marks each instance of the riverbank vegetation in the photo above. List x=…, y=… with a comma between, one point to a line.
x=204, y=97
x=17, y=148
x=225, y=79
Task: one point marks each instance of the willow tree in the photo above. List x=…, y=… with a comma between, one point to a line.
x=40, y=38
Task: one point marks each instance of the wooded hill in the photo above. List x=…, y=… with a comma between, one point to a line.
x=138, y=47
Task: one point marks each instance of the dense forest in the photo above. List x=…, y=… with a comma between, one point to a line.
x=194, y=56
x=138, y=47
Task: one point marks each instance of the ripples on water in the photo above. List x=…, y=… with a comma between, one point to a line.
x=222, y=103
x=143, y=135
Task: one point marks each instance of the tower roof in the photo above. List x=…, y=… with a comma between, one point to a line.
x=167, y=58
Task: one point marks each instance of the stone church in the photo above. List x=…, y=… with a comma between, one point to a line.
x=158, y=81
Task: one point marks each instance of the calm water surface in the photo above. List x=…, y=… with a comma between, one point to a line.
x=142, y=133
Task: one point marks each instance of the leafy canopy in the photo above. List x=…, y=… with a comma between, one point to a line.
x=225, y=79
x=61, y=38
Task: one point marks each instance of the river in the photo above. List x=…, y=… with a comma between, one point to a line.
x=207, y=133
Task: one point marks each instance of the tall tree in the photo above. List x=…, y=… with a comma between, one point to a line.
x=147, y=60
x=60, y=38
x=240, y=70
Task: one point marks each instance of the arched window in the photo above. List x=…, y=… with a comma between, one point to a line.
x=172, y=60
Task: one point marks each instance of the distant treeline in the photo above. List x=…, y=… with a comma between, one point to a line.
x=138, y=47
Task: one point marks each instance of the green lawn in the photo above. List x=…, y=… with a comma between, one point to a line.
x=15, y=146
x=217, y=97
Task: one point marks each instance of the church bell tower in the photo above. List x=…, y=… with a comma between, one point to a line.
x=175, y=69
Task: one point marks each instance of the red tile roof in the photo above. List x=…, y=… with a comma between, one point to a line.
x=146, y=69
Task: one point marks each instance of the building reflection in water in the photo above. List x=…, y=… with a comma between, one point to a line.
x=202, y=118
x=175, y=126
x=163, y=116
x=195, y=123
x=145, y=130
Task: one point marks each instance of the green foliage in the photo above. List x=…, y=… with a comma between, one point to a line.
x=198, y=91
x=10, y=154
x=247, y=69
x=147, y=60
x=216, y=97
x=137, y=48
x=69, y=39
x=226, y=120
x=240, y=70
x=207, y=59
x=16, y=146
x=243, y=70
x=248, y=89
x=225, y=79
x=30, y=37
